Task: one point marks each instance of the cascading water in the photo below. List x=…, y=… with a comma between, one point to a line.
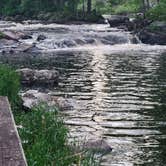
x=67, y=36
x=115, y=84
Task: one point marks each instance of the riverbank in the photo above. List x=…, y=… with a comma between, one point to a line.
x=148, y=31
x=44, y=135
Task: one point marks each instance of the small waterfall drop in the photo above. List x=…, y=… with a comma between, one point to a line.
x=72, y=36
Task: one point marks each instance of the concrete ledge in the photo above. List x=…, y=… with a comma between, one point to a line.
x=11, y=151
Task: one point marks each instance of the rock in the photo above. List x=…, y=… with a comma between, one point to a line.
x=90, y=41
x=117, y=20
x=26, y=47
x=64, y=103
x=137, y=24
x=68, y=43
x=25, y=37
x=41, y=37
x=38, y=77
x=27, y=76
x=149, y=37
x=33, y=98
x=8, y=18
x=98, y=145
x=12, y=35
x=6, y=43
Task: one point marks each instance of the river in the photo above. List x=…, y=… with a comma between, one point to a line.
x=116, y=86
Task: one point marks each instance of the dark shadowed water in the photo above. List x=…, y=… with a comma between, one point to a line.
x=116, y=89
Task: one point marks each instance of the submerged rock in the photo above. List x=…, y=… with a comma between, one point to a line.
x=98, y=145
x=25, y=37
x=41, y=37
x=38, y=77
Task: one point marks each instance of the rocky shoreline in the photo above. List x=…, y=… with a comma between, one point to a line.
x=149, y=32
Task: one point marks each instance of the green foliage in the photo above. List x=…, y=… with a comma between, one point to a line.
x=9, y=83
x=9, y=7
x=69, y=9
x=130, y=6
x=44, y=139
x=158, y=12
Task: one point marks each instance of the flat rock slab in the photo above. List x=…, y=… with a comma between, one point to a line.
x=11, y=152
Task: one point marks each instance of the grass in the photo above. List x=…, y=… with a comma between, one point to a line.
x=158, y=12
x=9, y=84
x=43, y=133
x=45, y=139
x=129, y=6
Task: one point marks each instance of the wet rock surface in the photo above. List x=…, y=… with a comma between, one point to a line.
x=98, y=145
x=155, y=33
x=41, y=37
x=10, y=41
x=117, y=20
x=38, y=77
x=33, y=98
x=152, y=37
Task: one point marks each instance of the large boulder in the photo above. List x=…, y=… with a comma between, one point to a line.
x=155, y=33
x=149, y=37
x=117, y=20
x=14, y=35
x=38, y=77
x=33, y=98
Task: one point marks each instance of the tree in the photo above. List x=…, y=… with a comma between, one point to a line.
x=89, y=6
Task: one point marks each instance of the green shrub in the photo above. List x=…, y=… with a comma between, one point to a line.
x=44, y=139
x=158, y=12
x=127, y=8
x=9, y=83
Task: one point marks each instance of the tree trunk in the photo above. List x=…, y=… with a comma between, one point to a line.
x=147, y=4
x=143, y=7
x=83, y=8
x=89, y=6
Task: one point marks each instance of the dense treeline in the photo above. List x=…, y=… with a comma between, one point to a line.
x=28, y=7
x=152, y=9
x=82, y=8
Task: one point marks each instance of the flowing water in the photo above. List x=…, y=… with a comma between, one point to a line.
x=116, y=87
